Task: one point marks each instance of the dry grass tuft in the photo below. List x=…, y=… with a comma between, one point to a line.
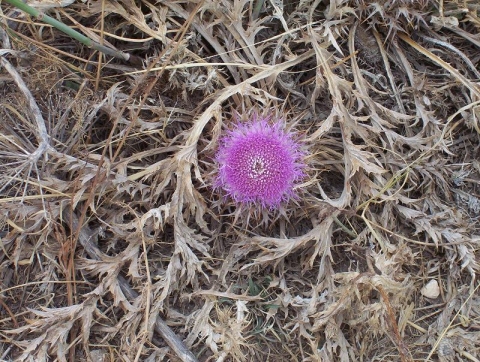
x=114, y=245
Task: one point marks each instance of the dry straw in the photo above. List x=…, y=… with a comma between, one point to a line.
x=148, y=215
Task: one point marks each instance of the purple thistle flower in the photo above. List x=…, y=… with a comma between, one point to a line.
x=260, y=163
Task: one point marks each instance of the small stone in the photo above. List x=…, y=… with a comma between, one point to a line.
x=431, y=289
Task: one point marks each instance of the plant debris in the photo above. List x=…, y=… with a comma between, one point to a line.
x=117, y=246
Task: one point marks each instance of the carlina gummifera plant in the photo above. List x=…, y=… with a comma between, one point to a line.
x=260, y=163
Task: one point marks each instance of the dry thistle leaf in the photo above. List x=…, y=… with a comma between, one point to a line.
x=49, y=4
x=389, y=114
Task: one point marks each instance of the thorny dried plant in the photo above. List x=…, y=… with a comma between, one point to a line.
x=115, y=246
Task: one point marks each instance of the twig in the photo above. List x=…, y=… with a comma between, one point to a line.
x=5, y=41
x=85, y=237
x=405, y=355
x=42, y=136
x=9, y=311
x=353, y=234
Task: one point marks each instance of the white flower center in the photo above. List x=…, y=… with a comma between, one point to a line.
x=258, y=167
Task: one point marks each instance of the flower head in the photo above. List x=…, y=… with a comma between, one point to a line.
x=259, y=162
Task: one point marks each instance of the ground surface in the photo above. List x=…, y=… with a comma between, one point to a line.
x=115, y=246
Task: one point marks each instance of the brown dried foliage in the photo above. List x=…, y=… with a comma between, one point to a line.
x=115, y=247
